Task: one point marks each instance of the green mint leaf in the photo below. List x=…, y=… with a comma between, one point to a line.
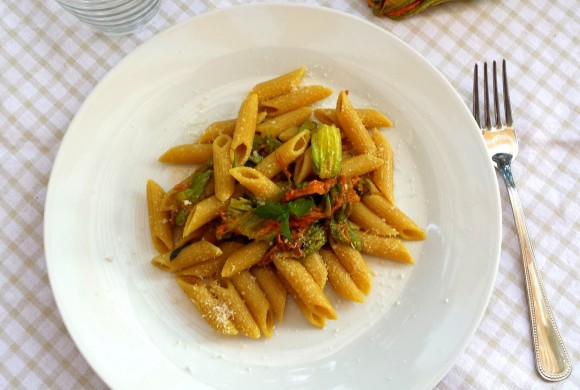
x=270, y=210
x=300, y=207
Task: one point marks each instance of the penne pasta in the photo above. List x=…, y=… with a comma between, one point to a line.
x=159, y=226
x=389, y=248
x=215, y=313
x=179, y=240
x=212, y=267
x=305, y=286
x=273, y=288
x=369, y=117
x=256, y=182
x=244, y=258
x=383, y=176
x=340, y=279
x=255, y=300
x=313, y=318
x=225, y=291
x=360, y=165
x=294, y=99
x=277, y=125
x=352, y=125
x=279, y=85
x=216, y=129
x=188, y=256
x=395, y=217
x=268, y=213
x=355, y=265
x=243, y=137
x=202, y=213
x=314, y=264
x=288, y=133
x=187, y=154
x=287, y=153
x=304, y=167
x=369, y=221
x=224, y=183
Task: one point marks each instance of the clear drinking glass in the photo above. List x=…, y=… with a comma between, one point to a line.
x=112, y=17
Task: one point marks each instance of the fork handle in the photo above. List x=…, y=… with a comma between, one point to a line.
x=552, y=360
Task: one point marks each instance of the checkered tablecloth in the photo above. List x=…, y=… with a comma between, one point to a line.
x=50, y=62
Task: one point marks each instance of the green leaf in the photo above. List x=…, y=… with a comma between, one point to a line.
x=271, y=210
x=300, y=207
x=281, y=212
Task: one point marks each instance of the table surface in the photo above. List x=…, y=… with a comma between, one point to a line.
x=50, y=62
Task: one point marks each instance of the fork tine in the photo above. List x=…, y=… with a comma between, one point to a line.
x=486, y=98
x=506, y=96
x=476, y=96
x=496, y=98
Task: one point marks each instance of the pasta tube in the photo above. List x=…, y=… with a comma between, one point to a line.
x=273, y=288
x=277, y=125
x=279, y=85
x=340, y=279
x=383, y=176
x=355, y=265
x=243, y=138
x=287, y=153
x=369, y=221
x=314, y=264
x=313, y=318
x=370, y=118
x=159, y=227
x=389, y=248
x=224, y=184
x=304, y=167
x=305, y=286
x=255, y=300
x=352, y=125
x=256, y=182
x=225, y=127
x=202, y=213
x=216, y=313
x=244, y=258
x=225, y=291
x=296, y=98
x=187, y=154
x=212, y=267
x=190, y=255
x=360, y=165
x=406, y=227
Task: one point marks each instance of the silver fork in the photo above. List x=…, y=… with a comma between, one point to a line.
x=552, y=360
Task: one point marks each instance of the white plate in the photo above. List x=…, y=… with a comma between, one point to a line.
x=131, y=321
